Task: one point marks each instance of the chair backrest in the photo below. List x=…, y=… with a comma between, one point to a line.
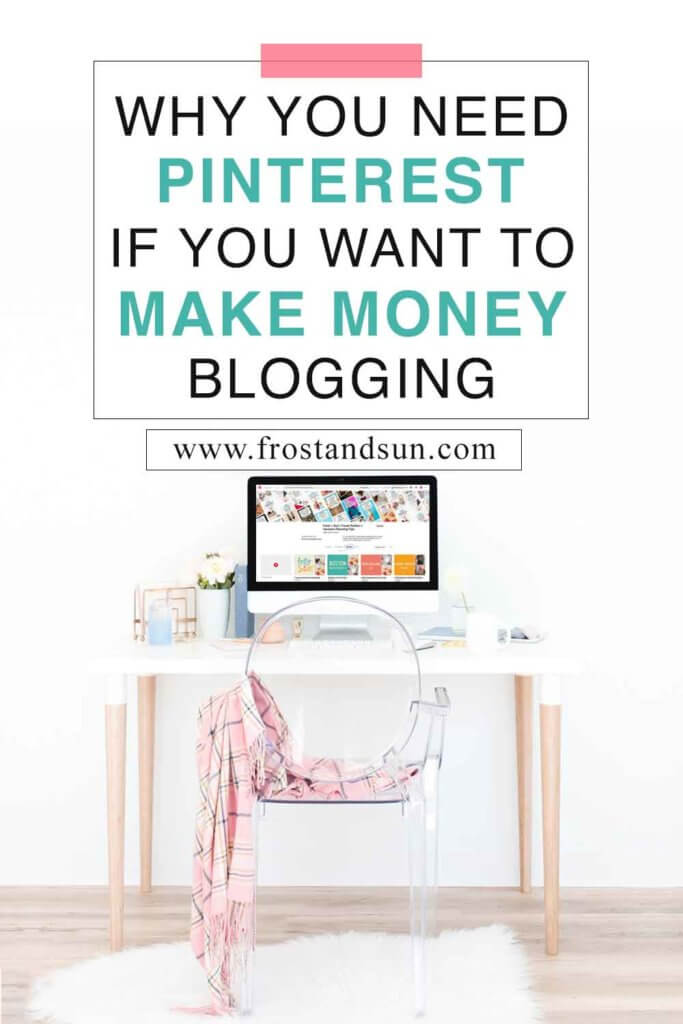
x=348, y=700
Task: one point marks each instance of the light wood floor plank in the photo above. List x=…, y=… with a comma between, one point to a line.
x=621, y=952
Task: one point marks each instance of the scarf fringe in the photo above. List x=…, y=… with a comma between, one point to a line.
x=257, y=758
x=230, y=944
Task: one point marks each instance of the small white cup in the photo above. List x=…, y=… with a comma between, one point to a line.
x=483, y=633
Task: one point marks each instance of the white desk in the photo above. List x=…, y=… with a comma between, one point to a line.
x=147, y=663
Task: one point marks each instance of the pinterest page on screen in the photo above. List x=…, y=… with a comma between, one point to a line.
x=344, y=534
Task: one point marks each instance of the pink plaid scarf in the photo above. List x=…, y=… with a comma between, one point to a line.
x=243, y=754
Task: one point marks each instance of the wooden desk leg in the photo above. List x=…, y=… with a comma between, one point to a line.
x=115, y=725
x=524, y=692
x=550, y=780
x=147, y=686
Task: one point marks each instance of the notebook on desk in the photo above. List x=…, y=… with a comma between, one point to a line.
x=442, y=633
x=231, y=643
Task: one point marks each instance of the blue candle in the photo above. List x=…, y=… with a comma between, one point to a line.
x=160, y=625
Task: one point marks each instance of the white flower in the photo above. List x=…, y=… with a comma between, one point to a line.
x=230, y=563
x=214, y=570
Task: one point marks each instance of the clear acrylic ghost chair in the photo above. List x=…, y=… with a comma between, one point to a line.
x=376, y=721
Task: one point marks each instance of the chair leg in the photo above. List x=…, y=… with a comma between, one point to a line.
x=246, y=994
x=422, y=811
x=245, y=1005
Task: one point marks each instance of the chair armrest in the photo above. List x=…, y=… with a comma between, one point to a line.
x=441, y=705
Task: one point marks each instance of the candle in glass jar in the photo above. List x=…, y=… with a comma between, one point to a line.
x=160, y=624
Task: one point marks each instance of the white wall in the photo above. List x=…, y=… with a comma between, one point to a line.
x=587, y=540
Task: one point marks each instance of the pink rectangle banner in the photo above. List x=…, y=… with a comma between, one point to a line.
x=341, y=60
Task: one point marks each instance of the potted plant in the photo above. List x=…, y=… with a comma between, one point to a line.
x=215, y=578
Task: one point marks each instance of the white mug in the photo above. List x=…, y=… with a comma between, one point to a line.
x=483, y=633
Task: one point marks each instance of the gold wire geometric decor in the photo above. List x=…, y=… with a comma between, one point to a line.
x=182, y=601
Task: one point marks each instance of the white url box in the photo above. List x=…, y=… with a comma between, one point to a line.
x=333, y=450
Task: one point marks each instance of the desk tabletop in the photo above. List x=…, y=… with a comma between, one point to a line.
x=298, y=658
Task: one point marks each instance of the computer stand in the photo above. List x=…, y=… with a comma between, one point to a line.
x=343, y=629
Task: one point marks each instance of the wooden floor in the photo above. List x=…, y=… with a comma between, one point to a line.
x=621, y=955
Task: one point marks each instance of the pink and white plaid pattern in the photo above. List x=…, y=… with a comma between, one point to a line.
x=243, y=754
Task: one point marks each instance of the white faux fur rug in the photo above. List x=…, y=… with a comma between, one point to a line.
x=478, y=976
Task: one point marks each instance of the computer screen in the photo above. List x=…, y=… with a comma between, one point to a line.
x=352, y=533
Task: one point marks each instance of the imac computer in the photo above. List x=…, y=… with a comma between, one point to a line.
x=369, y=537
